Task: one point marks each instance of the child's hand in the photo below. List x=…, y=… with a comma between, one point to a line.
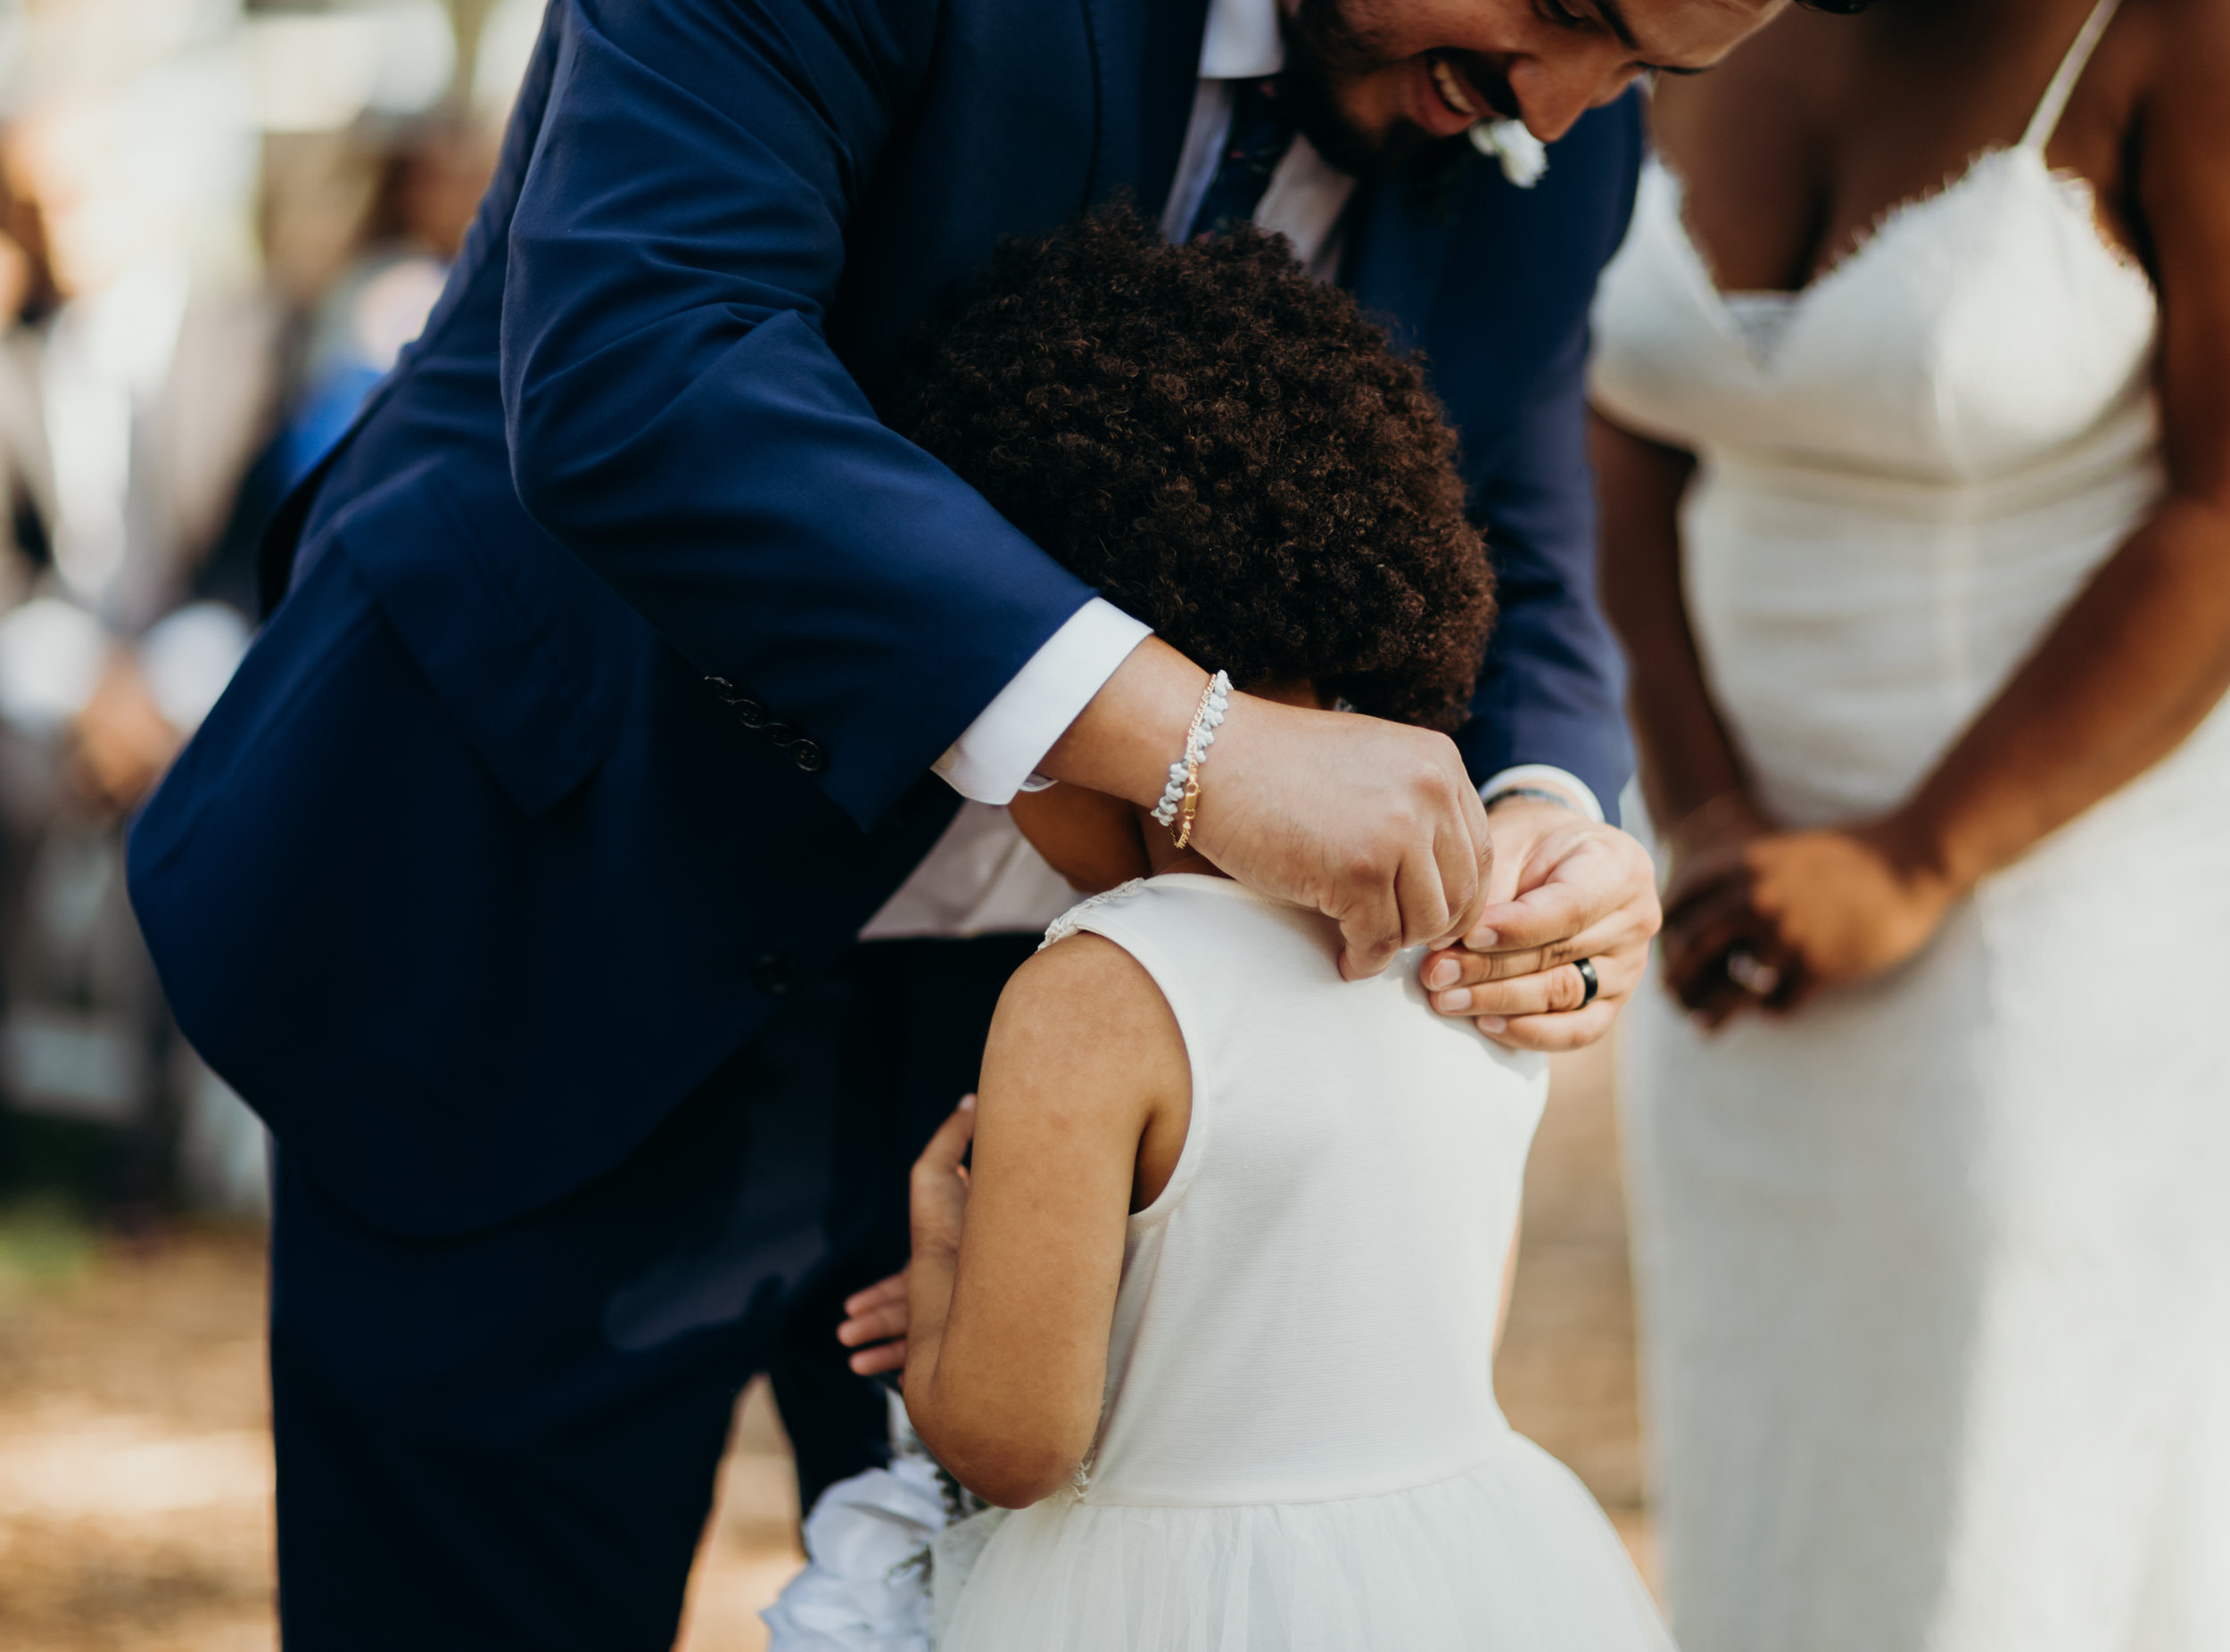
x=875, y=1323
x=940, y=1187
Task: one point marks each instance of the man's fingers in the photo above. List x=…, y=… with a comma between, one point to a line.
x=881, y=1358
x=1552, y=1033
x=1420, y=889
x=1370, y=933
x=874, y=1325
x=1462, y=861
x=1470, y=879
x=890, y=1290
x=1542, y=917
x=1453, y=971
x=1626, y=929
x=1549, y=992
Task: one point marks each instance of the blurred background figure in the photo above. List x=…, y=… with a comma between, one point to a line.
x=218, y=223
x=219, y=227
x=427, y=180
x=139, y=382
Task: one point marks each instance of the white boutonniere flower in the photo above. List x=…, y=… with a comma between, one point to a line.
x=1523, y=157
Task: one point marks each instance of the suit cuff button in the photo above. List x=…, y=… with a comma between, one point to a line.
x=810, y=756
x=736, y=700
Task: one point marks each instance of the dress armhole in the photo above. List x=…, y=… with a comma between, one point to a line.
x=1112, y=925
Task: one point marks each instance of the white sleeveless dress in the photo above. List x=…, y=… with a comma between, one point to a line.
x=1936, y=1273
x=1301, y=1449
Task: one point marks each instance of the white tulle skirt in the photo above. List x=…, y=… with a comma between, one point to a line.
x=1512, y=1556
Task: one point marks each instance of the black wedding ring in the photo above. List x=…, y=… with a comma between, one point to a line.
x=1594, y=982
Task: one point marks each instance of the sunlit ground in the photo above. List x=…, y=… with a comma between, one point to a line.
x=135, y=1473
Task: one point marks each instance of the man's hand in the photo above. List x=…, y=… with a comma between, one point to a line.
x=1374, y=824
x=875, y=1324
x=1562, y=887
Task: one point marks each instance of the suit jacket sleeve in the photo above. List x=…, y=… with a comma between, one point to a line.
x=1551, y=687
x=675, y=414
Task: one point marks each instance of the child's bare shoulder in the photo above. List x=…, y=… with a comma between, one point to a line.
x=1084, y=986
x=1087, y=1013
x=1084, y=1042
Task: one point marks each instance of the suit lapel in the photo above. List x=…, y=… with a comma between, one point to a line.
x=1146, y=59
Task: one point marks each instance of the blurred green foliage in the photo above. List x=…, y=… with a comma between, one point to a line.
x=46, y=1244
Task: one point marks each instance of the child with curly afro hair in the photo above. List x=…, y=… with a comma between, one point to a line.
x=1228, y=450
x=1213, y=1303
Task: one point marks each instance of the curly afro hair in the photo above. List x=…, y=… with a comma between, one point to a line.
x=1227, y=450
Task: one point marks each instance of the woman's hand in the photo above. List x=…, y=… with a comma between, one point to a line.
x=1767, y=919
x=1709, y=919
x=1847, y=904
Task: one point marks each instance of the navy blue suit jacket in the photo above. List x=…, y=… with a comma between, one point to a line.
x=471, y=874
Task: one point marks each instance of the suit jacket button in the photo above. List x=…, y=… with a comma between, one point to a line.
x=810, y=756
x=774, y=975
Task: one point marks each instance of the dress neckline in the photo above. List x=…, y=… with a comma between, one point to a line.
x=2071, y=187
x=2067, y=191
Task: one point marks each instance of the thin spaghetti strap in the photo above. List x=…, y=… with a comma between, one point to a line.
x=2045, y=122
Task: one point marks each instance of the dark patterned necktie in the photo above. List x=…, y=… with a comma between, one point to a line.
x=1263, y=129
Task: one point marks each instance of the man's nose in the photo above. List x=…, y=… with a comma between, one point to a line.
x=1554, y=92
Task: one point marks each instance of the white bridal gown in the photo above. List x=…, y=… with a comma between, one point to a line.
x=1934, y=1271
x=1301, y=1449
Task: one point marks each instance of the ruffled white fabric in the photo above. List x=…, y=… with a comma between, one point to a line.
x=864, y=1587
x=886, y=1562
x=1062, y=928
x=1511, y=1556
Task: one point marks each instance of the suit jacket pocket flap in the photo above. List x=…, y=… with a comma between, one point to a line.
x=505, y=622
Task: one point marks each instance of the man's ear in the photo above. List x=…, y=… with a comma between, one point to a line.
x=1090, y=838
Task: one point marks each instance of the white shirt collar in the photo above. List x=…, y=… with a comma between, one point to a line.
x=1242, y=42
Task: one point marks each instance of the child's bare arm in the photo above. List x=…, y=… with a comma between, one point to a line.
x=1086, y=1093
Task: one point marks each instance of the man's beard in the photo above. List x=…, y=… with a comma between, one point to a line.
x=1323, y=56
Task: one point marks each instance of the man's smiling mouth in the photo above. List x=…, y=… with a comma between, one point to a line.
x=1453, y=91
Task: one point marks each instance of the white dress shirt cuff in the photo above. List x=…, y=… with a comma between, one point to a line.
x=1551, y=778
x=997, y=755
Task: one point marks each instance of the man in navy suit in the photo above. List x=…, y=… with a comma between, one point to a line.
x=622, y=665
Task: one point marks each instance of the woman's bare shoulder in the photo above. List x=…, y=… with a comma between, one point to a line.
x=2181, y=43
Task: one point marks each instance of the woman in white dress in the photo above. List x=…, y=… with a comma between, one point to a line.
x=1914, y=398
